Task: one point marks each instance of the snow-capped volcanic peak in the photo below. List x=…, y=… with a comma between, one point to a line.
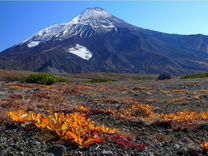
x=95, y=17
x=89, y=22
x=81, y=51
x=95, y=13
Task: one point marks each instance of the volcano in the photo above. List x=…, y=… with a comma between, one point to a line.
x=97, y=41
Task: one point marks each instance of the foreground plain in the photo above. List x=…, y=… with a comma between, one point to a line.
x=139, y=106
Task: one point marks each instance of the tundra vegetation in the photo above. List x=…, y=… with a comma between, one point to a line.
x=129, y=115
x=200, y=75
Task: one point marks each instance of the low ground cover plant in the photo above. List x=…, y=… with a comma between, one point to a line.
x=200, y=75
x=99, y=80
x=43, y=78
x=76, y=127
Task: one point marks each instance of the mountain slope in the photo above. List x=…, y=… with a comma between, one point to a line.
x=96, y=41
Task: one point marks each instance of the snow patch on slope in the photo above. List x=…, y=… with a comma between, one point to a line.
x=33, y=44
x=81, y=51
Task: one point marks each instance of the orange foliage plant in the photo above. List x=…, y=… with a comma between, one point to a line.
x=75, y=127
x=180, y=120
x=204, y=146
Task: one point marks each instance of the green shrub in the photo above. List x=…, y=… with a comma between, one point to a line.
x=99, y=80
x=200, y=75
x=46, y=79
x=60, y=79
x=164, y=76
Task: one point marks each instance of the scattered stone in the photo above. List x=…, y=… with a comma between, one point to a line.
x=36, y=143
x=57, y=150
x=177, y=146
x=151, y=154
x=107, y=152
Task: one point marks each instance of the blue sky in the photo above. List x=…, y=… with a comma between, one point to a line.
x=19, y=20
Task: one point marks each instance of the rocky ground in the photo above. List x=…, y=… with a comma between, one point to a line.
x=108, y=103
